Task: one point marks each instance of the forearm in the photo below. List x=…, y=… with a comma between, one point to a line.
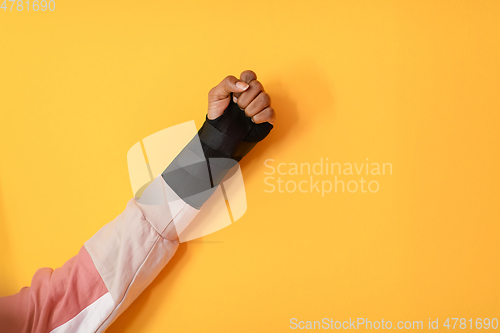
x=112, y=268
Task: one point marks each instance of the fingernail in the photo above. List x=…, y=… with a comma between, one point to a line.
x=242, y=85
x=235, y=99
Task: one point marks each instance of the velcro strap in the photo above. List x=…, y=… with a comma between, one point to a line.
x=223, y=143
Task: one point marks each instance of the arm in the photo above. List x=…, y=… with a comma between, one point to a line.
x=115, y=265
x=91, y=289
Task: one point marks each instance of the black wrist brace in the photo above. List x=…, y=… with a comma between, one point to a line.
x=219, y=145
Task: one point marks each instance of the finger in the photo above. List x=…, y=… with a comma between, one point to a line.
x=246, y=76
x=258, y=104
x=267, y=114
x=228, y=85
x=250, y=94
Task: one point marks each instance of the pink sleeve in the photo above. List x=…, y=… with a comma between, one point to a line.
x=94, y=287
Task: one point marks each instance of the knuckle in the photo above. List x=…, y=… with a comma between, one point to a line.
x=266, y=98
x=270, y=114
x=230, y=78
x=256, y=85
x=273, y=116
x=211, y=92
x=249, y=73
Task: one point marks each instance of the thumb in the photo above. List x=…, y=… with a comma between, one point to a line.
x=218, y=97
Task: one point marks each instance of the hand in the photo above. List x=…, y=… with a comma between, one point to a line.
x=248, y=93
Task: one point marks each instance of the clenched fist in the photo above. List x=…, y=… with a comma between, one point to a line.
x=248, y=94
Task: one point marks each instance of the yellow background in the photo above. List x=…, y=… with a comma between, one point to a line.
x=415, y=84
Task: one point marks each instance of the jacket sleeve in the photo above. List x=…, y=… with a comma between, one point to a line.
x=113, y=267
